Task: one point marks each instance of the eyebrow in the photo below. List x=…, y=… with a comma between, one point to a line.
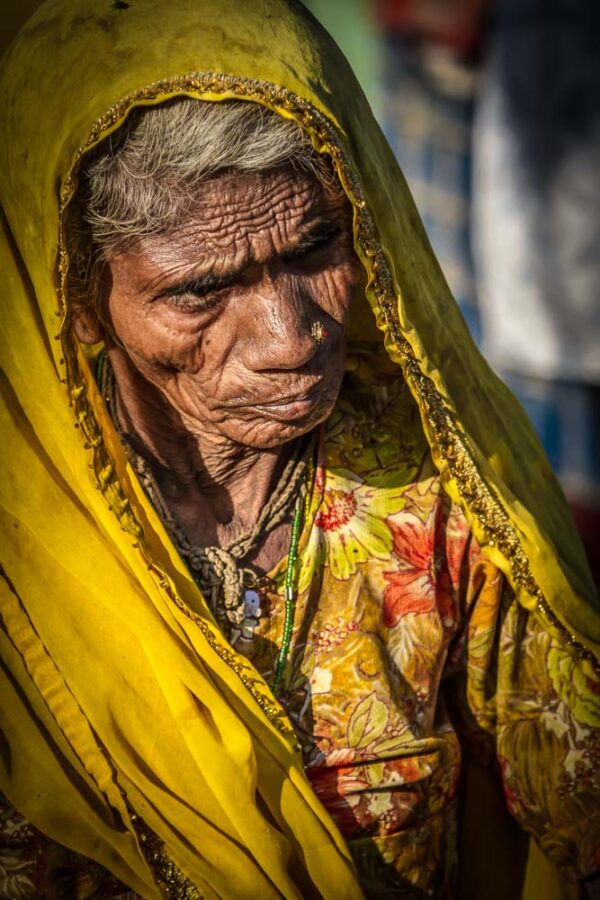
x=323, y=229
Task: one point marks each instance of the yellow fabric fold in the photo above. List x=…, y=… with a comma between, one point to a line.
x=122, y=698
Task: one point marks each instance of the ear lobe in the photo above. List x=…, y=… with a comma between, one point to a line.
x=86, y=325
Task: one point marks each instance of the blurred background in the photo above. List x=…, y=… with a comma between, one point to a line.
x=493, y=110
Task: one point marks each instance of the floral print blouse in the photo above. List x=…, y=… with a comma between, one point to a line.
x=409, y=650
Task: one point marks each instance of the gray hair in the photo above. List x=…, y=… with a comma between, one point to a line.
x=141, y=180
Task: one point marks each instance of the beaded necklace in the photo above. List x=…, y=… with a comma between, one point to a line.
x=106, y=383
x=289, y=594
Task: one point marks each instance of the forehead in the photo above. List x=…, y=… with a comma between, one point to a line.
x=257, y=212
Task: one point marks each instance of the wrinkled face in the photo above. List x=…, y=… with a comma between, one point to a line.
x=218, y=314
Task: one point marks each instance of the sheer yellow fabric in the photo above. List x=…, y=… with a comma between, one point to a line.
x=119, y=696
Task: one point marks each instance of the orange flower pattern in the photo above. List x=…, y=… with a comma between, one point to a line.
x=423, y=583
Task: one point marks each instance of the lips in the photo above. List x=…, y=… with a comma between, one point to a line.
x=292, y=406
x=282, y=399
x=292, y=398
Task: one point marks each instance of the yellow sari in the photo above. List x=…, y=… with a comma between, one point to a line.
x=132, y=731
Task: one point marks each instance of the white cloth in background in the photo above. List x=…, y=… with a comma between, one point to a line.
x=536, y=219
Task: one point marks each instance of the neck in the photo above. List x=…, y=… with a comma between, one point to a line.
x=215, y=487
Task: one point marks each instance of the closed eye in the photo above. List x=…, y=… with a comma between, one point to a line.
x=196, y=294
x=200, y=287
x=324, y=235
x=191, y=302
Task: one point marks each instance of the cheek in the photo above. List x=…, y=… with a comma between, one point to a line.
x=334, y=289
x=160, y=342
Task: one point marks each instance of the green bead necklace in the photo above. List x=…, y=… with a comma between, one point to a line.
x=290, y=596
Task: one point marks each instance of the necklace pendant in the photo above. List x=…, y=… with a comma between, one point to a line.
x=252, y=613
x=252, y=604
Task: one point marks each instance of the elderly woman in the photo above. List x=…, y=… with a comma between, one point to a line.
x=288, y=589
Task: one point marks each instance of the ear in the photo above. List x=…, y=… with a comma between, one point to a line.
x=86, y=324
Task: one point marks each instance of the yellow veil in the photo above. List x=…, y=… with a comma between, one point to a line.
x=122, y=706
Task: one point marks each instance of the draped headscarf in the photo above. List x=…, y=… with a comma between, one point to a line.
x=131, y=731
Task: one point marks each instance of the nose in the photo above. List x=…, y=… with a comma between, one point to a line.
x=278, y=326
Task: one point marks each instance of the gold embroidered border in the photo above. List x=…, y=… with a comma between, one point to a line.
x=170, y=880
x=492, y=519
